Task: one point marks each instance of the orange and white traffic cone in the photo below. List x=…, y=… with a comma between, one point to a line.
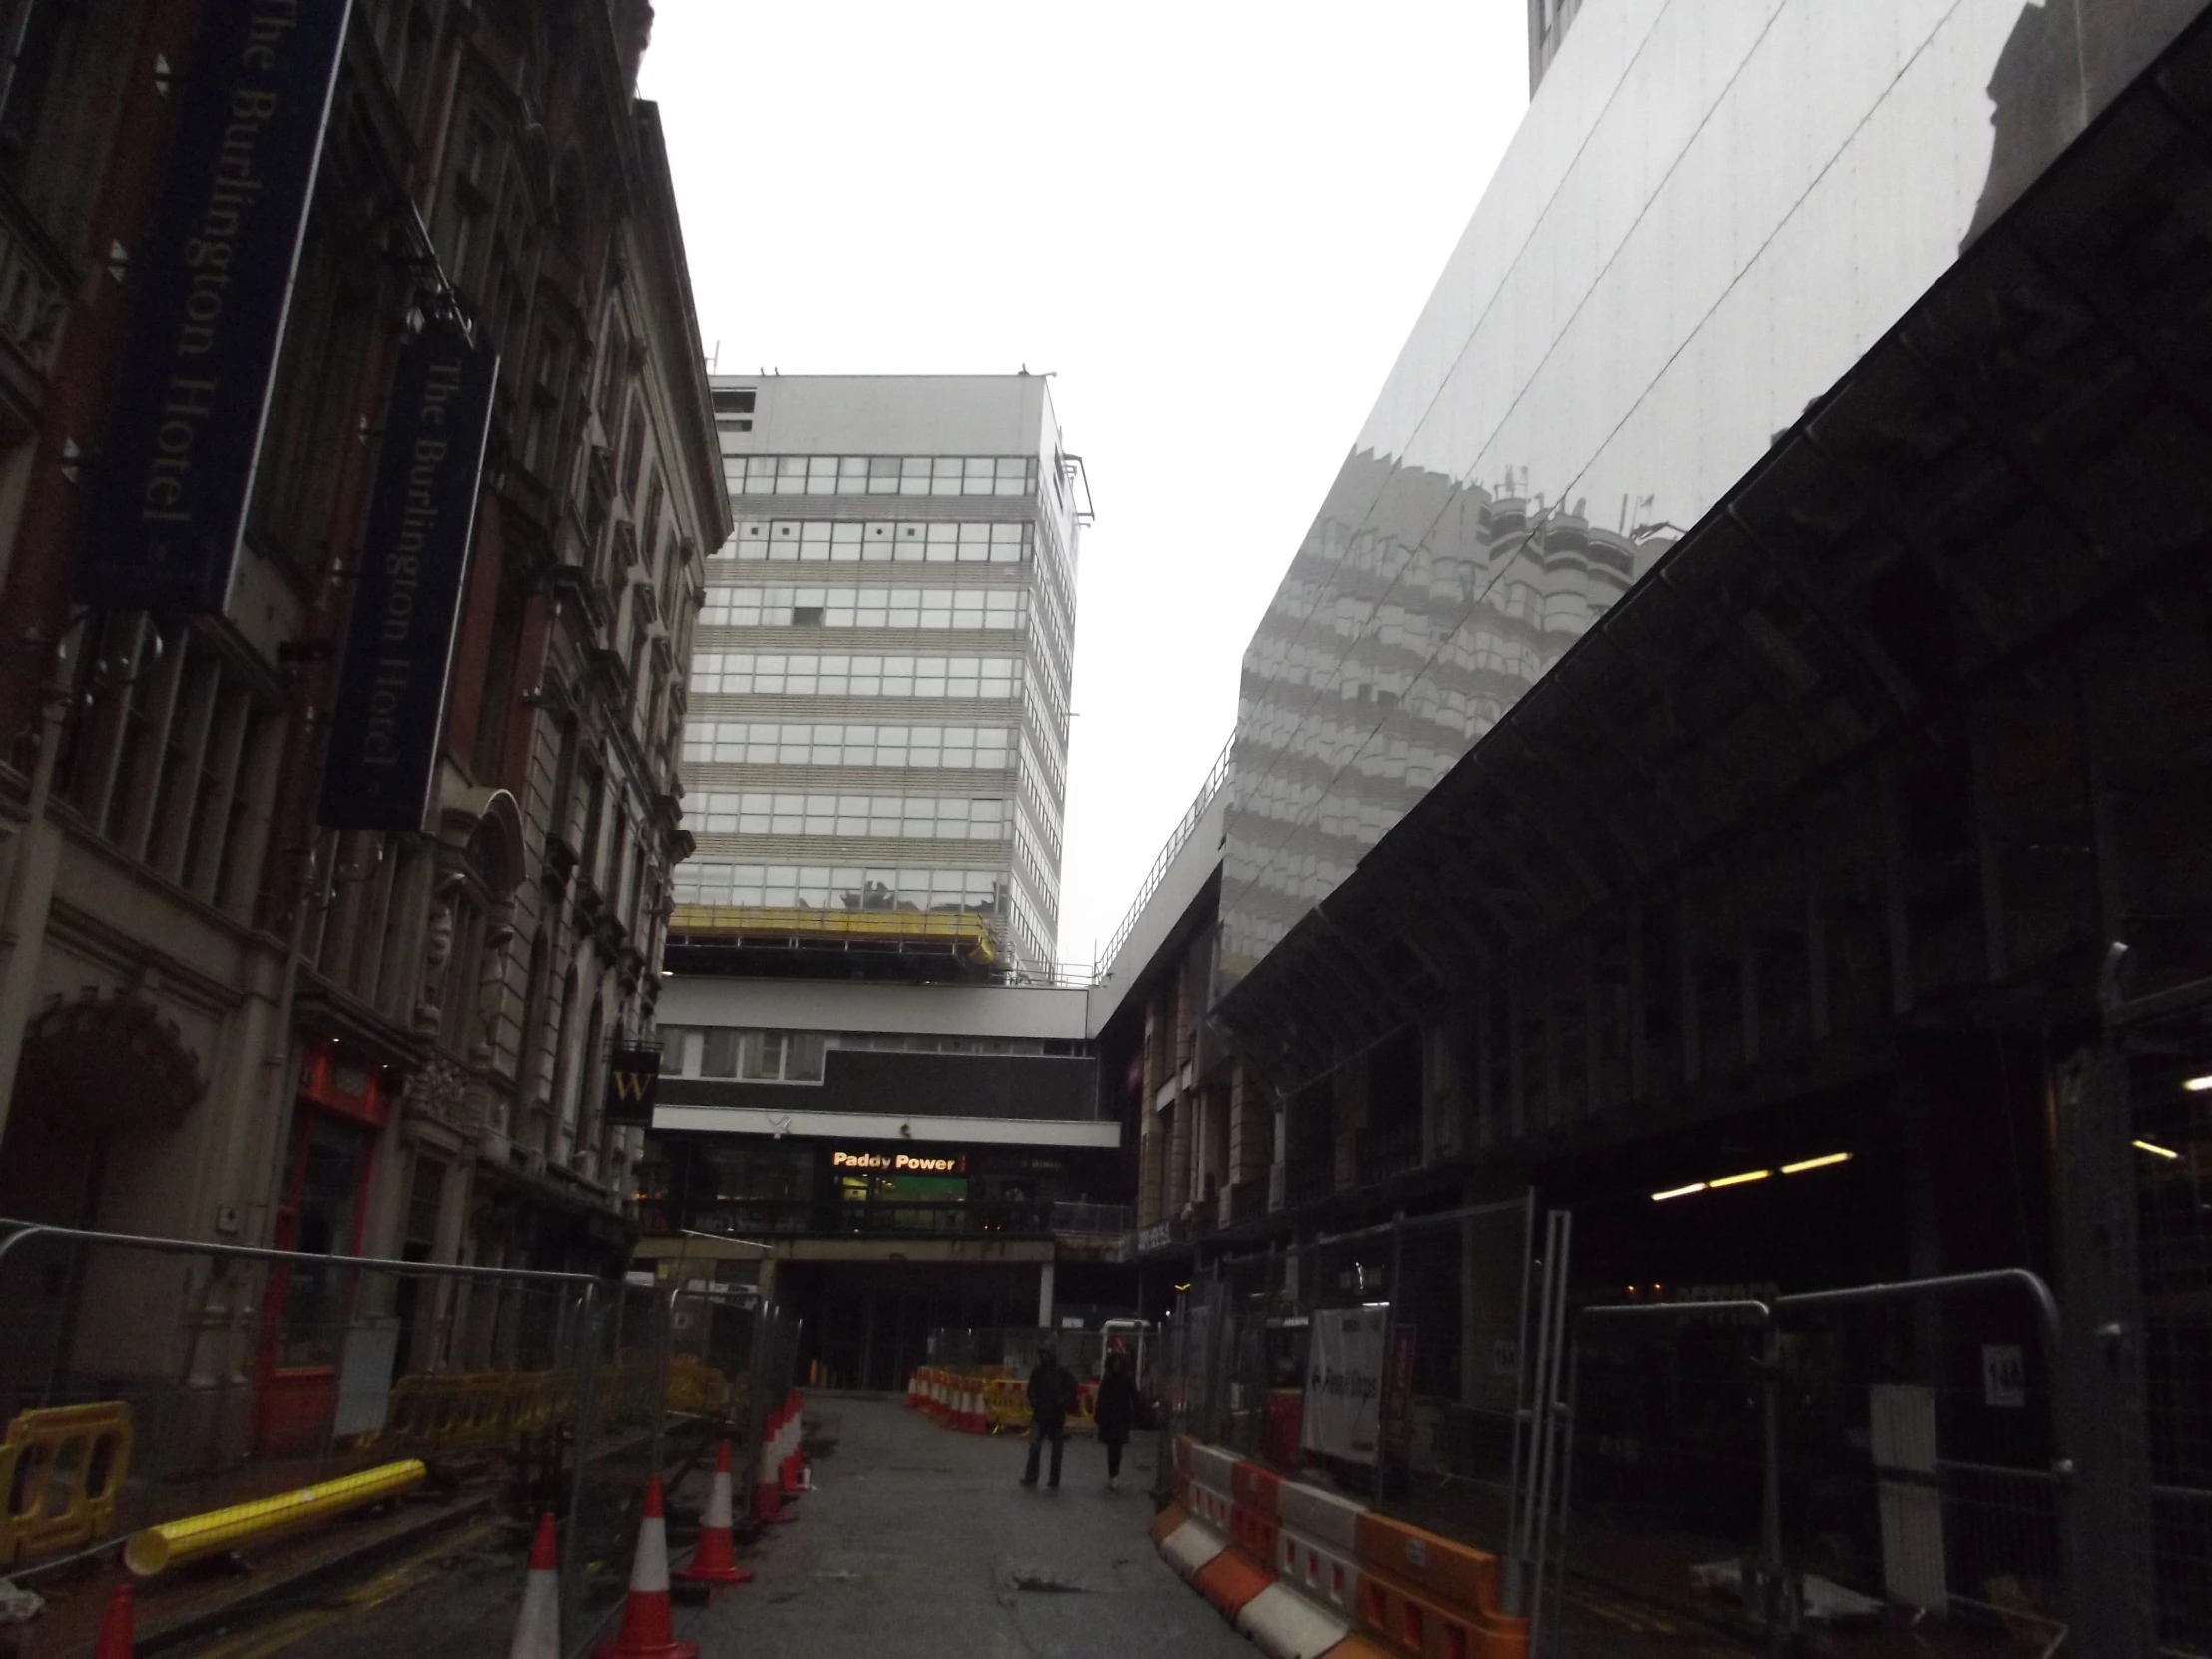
x=715, y=1561
x=767, y=1486
x=647, y=1632
x=116, y=1634
x=794, y=1466
x=538, y=1629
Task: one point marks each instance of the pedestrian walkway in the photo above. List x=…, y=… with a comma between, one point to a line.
x=919, y=1542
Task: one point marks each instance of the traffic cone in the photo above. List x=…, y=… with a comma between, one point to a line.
x=715, y=1561
x=768, y=1489
x=538, y=1629
x=787, y=1467
x=646, y=1630
x=115, y=1636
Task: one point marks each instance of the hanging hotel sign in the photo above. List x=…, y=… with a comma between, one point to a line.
x=407, y=604
x=212, y=286
x=633, y=1077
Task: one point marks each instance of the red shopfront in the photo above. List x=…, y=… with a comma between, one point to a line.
x=337, y=1118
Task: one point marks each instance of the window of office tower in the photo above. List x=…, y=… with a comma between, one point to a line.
x=734, y=409
x=880, y=474
x=878, y=541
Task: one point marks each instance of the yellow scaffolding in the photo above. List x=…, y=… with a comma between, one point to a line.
x=961, y=934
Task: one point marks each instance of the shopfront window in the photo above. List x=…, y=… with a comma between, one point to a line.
x=904, y=1203
x=329, y=1164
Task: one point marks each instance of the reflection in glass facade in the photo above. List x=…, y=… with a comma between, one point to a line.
x=1708, y=215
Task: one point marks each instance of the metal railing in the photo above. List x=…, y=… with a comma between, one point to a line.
x=1089, y=1218
x=1216, y=776
x=1803, y=1459
x=877, y=1217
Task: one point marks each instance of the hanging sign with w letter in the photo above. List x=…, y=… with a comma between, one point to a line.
x=632, y=1077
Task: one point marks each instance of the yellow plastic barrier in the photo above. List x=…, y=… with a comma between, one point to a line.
x=1009, y=1406
x=60, y=1471
x=693, y=1387
x=162, y=1546
x=535, y=1400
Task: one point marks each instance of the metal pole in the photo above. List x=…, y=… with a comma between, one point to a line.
x=24, y=1229
x=1390, y=1337
x=1559, y=1238
x=1775, y=1596
x=1514, y=1498
x=1531, y=1414
x=1566, y=1493
x=587, y=1391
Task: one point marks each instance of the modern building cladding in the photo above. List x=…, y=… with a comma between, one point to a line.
x=1707, y=217
x=878, y=705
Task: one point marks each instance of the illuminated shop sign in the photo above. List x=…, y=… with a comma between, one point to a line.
x=905, y=1163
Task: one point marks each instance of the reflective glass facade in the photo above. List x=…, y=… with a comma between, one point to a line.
x=859, y=735
x=1707, y=217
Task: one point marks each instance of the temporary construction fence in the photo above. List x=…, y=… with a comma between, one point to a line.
x=145, y=1380
x=1821, y=1457
x=1391, y=1354
x=1800, y=1461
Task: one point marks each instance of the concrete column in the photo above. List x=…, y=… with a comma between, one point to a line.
x=1044, y=1294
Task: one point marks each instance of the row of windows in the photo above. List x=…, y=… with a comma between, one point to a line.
x=753, y=1057
x=1027, y=855
x=797, y=1057
x=865, y=608
x=824, y=542
x=901, y=817
x=879, y=474
x=834, y=673
x=818, y=888
x=797, y=743
x=173, y=759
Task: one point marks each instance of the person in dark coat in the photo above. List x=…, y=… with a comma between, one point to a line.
x=1051, y=1392
x=1117, y=1414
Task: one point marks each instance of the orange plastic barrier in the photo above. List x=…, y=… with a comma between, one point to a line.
x=1423, y=1593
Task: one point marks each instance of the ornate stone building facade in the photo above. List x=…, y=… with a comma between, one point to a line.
x=221, y=1020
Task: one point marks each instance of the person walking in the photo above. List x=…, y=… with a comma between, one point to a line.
x=1117, y=1412
x=1051, y=1392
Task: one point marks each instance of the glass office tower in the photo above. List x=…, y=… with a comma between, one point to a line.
x=878, y=692
x=1709, y=214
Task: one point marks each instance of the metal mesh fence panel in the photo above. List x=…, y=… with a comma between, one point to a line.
x=2171, y=1113
x=148, y=1381
x=1918, y=1459
x=1452, y=1369
x=1830, y=1459
x=1668, y=1459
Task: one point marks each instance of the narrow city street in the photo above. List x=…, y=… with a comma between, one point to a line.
x=917, y=1541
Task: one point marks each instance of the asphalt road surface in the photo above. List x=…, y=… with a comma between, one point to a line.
x=918, y=1542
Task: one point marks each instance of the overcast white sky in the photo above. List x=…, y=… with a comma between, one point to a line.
x=1213, y=221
